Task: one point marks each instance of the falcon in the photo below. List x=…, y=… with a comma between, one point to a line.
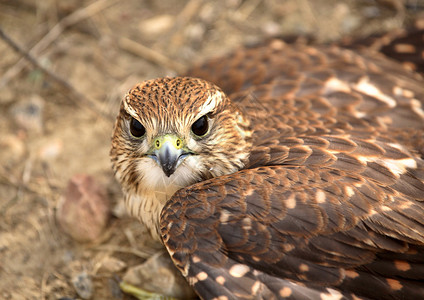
x=282, y=172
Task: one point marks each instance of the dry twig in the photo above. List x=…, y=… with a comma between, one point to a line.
x=54, y=33
x=190, y=10
x=144, y=253
x=149, y=54
x=78, y=97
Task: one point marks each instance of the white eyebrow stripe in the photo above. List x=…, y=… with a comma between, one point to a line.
x=129, y=109
x=210, y=103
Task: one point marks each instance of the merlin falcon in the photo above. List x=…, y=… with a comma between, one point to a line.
x=282, y=171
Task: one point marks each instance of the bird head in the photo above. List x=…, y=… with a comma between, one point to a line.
x=173, y=132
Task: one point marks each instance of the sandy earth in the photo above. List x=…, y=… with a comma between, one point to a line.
x=55, y=126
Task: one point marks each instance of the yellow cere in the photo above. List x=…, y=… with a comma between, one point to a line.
x=174, y=140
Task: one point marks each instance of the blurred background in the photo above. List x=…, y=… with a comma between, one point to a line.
x=64, y=66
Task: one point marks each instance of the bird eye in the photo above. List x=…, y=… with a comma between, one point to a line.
x=200, y=127
x=137, y=130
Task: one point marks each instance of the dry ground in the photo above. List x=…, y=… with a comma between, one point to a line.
x=55, y=126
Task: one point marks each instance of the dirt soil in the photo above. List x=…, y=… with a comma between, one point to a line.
x=58, y=123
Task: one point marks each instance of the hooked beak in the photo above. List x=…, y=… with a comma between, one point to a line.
x=168, y=152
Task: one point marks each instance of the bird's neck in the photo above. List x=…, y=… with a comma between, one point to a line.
x=147, y=205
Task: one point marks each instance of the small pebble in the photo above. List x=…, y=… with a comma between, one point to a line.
x=13, y=149
x=50, y=150
x=115, y=289
x=29, y=114
x=84, y=209
x=83, y=285
x=157, y=25
x=159, y=274
x=112, y=265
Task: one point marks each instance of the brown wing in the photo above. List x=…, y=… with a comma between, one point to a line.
x=294, y=231
x=331, y=200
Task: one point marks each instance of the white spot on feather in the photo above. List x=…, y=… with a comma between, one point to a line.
x=365, y=159
x=202, y=276
x=239, y=270
x=290, y=201
x=247, y=223
x=359, y=114
x=255, y=287
x=304, y=268
x=397, y=146
x=332, y=295
x=349, y=191
x=320, y=196
x=398, y=166
x=220, y=280
x=398, y=91
x=369, y=89
x=285, y=292
x=224, y=216
x=417, y=107
x=335, y=85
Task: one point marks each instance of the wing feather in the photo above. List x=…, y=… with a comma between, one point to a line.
x=297, y=231
x=331, y=201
